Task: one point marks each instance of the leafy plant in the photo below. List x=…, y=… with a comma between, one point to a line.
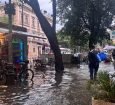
x=86, y=21
x=104, y=87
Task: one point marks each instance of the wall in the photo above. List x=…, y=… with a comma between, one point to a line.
x=31, y=23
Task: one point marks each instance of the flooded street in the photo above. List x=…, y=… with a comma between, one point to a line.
x=72, y=90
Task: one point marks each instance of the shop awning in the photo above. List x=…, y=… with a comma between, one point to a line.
x=5, y=31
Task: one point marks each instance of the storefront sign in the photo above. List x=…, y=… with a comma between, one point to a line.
x=112, y=34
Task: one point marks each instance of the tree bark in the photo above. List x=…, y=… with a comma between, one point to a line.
x=91, y=43
x=54, y=14
x=50, y=33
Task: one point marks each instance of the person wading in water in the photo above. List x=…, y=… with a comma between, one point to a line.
x=93, y=63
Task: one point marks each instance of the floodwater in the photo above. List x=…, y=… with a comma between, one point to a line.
x=72, y=90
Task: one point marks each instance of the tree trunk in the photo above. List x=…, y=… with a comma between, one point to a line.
x=50, y=33
x=54, y=14
x=92, y=39
x=90, y=43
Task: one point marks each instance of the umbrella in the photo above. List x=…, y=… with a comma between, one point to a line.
x=109, y=47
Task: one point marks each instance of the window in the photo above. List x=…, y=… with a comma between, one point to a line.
x=33, y=22
x=38, y=26
x=20, y=17
x=26, y=19
x=34, y=32
x=33, y=49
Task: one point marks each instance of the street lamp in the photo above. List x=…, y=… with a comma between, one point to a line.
x=22, y=5
x=10, y=10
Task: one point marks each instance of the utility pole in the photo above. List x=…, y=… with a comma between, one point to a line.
x=22, y=13
x=22, y=5
x=10, y=18
x=10, y=57
x=10, y=10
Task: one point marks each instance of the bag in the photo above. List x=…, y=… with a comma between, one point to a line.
x=98, y=57
x=102, y=56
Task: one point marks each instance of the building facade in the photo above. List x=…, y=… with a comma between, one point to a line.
x=25, y=17
x=18, y=41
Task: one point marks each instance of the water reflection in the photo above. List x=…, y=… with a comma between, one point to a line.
x=41, y=91
x=77, y=94
x=58, y=78
x=15, y=94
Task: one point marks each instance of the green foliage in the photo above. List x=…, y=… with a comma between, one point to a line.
x=86, y=20
x=63, y=40
x=104, y=80
x=104, y=87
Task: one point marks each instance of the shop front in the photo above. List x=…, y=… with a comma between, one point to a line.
x=3, y=47
x=18, y=49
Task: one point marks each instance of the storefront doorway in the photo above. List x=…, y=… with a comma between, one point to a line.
x=18, y=50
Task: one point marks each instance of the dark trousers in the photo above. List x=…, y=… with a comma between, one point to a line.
x=93, y=69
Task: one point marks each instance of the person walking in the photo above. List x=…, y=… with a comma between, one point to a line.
x=113, y=56
x=93, y=63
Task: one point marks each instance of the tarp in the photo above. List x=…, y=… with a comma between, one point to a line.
x=101, y=56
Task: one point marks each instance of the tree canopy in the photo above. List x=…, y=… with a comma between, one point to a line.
x=86, y=20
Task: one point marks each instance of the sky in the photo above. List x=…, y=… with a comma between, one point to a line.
x=46, y=5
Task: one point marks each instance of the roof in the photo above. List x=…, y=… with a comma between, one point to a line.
x=14, y=27
x=3, y=30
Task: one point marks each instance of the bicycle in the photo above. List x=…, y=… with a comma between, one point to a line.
x=6, y=70
x=2, y=74
x=39, y=65
x=51, y=62
x=2, y=77
x=25, y=73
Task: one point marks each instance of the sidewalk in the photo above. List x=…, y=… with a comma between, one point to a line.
x=72, y=90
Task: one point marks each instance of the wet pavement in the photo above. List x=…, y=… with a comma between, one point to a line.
x=72, y=90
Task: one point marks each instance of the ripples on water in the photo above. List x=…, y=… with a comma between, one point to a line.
x=40, y=92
